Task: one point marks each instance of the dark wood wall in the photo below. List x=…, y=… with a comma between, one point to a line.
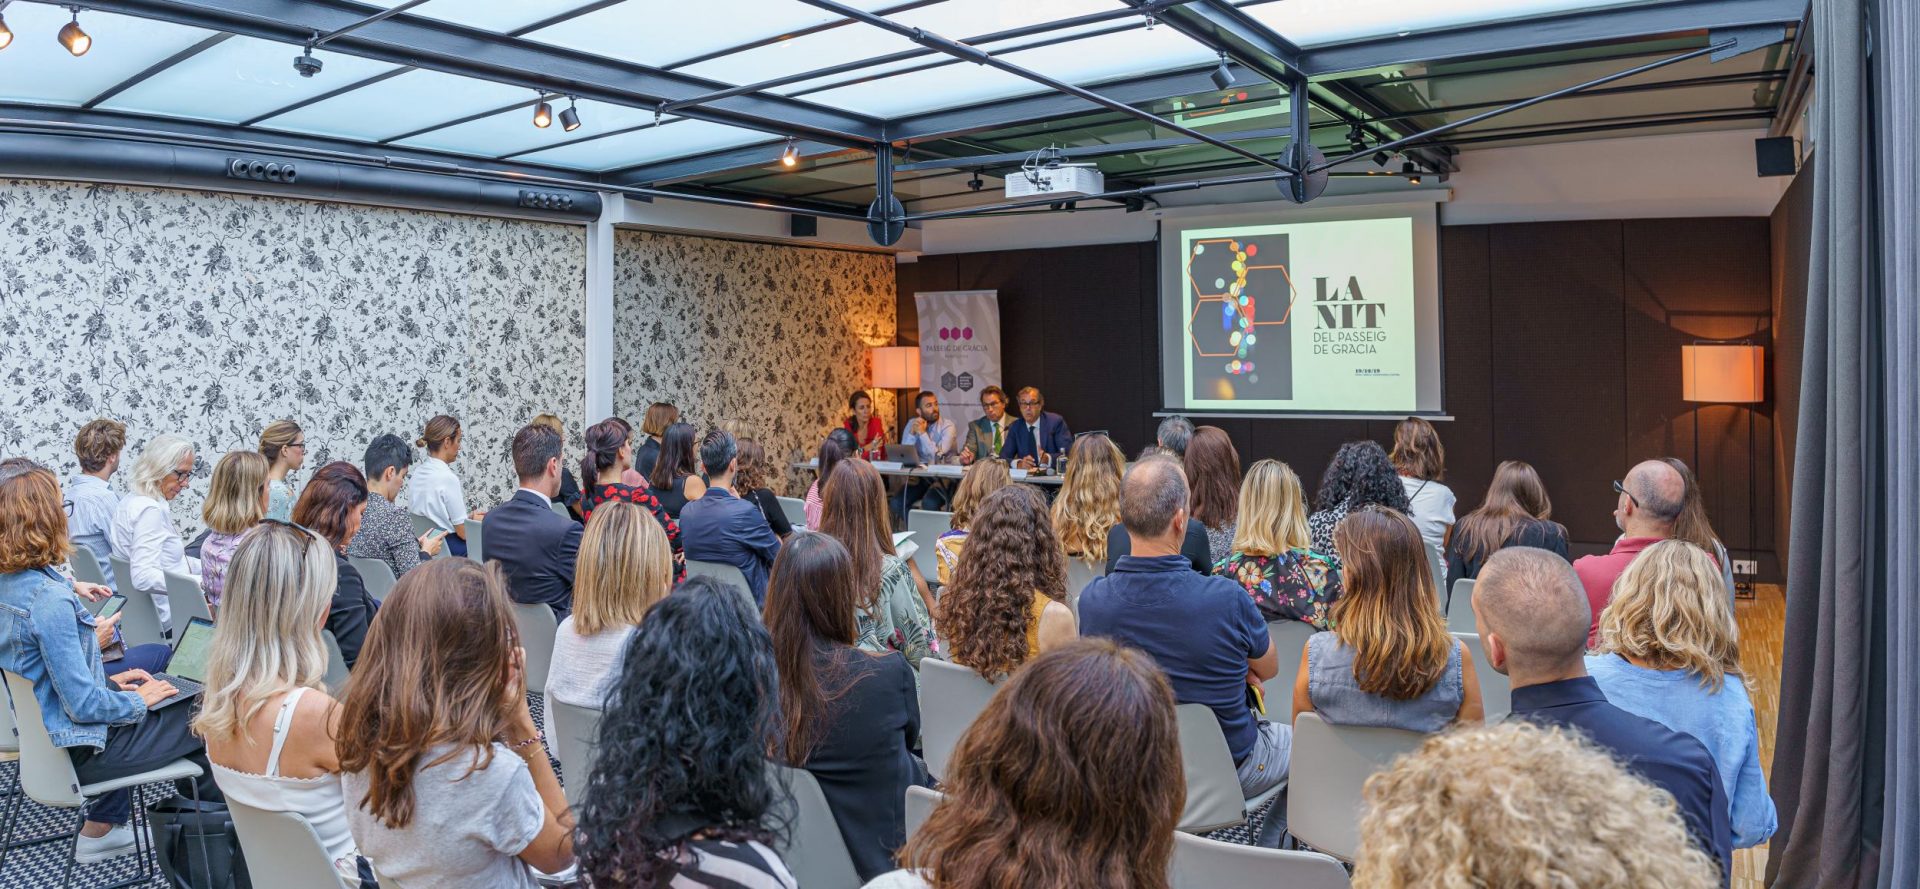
x=1792, y=225
x=1562, y=347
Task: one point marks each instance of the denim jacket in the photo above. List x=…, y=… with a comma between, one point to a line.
x=47, y=637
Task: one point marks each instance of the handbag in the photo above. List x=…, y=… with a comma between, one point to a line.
x=197, y=845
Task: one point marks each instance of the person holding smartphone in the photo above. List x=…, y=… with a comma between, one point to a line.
x=386, y=533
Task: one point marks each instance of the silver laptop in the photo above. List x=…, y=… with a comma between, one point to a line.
x=187, y=670
x=904, y=454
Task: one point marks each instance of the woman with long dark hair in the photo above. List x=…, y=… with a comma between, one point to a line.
x=653, y=427
x=869, y=433
x=1213, y=477
x=1516, y=512
x=837, y=446
x=1008, y=600
x=1422, y=462
x=332, y=505
x=848, y=716
x=1071, y=777
x=891, y=604
x=754, y=480
x=605, y=467
x=1360, y=475
x=675, y=477
x=681, y=788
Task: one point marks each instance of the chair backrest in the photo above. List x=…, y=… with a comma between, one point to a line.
x=86, y=566
x=376, y=574
x=473, y=542
x=46, y=772
x=186, y=600
x=796, y=510
x=1496, y=690
x=1201, y=863
x=336, y=677
x=1079, y=574
x=1330, y=764
x=920, y=803
x=1214, y=799
x=726, y=574
x=422, y=524
x=537, y=626
x=816, y=853
x=282, y=849
x=1460, y=608
x=577, y=731
x=951, y=698
x=561, y=510
x=927, y=525
x=1289, y=639
x=140, y=618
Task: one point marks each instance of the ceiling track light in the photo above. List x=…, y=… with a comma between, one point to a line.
x=570, y=118
x=1222, y=76
x=790, y=155
x=542, y=113
x=73, y=37
x=6, y=35
x=1411, y=172
x=1357, y=138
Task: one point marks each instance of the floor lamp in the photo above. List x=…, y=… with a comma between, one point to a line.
x=1726, y=373
x=896, y=368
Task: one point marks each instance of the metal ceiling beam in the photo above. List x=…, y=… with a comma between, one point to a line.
x=470, y=52
x=1047, y=106
x=1222, y=27
x=156, y=68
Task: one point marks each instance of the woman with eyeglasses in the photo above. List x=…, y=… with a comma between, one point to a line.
x=285, y=447
x=332, y=506
x=143, y=532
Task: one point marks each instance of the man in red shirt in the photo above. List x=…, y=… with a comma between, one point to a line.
x=1650, y=501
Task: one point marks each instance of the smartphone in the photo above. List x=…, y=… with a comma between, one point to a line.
x=118, y=649
x=112, y=607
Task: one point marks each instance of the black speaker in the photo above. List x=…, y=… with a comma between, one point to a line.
x=1775, y=156
x=803, y=226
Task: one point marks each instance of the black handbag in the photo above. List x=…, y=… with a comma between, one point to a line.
x=197, y=845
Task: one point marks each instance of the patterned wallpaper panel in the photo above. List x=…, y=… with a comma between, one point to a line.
x=208, y=315
x=767, y=338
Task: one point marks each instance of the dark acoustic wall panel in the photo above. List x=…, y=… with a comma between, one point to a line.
x=1791, y=237
x=1466, y=300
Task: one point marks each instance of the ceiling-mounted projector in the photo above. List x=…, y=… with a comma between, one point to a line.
x=1046, y=174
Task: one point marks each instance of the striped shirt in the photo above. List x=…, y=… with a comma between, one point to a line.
x=716, y=864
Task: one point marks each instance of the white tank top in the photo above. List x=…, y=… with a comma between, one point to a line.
x=320, y=799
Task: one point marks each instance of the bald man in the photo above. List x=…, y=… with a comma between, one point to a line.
x=1649, y=503
x=1529, y=610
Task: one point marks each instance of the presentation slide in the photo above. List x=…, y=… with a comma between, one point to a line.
x=1335, y=313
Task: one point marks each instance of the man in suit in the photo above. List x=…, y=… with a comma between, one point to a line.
x=985, y=435
x=721, y=527
x=1039, y=438
x=534, y=545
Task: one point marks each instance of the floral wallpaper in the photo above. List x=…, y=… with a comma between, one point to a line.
x=208, y=315
x=768, y=339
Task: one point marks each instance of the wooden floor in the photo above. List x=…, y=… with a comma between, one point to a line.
x=1762, y=621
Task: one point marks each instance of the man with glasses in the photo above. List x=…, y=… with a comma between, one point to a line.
x=1649, y=502
x=1040, y=437
x=985, y=435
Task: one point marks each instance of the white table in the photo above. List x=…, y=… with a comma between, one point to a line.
x=949, y=471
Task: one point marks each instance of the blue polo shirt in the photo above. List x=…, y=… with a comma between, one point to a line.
x=1201, y=629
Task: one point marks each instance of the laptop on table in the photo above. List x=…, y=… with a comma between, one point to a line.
x=187, y=670
x=908, y=456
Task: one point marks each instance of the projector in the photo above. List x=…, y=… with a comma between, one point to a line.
x=1064, y=179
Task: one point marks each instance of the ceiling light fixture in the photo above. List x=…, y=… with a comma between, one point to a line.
x=570, y=118
x=1411, y=172
x=6, y=36
x=73, y=38
x=790, y=155
x=1357, y=138
x=976, y=183
x=306, y=64
x=1222, y=76
x=542, y=113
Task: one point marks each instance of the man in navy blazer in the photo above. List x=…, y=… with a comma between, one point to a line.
x=1038, y=437
x=535, y=546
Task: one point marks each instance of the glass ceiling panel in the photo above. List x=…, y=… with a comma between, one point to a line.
x=1317, y=22
x=657, y=33
x=36, y=68
x=399, y=104
x=490, y=15
x=1515, y=85
x=645, y=145
x=241, y=78
x=513, y=131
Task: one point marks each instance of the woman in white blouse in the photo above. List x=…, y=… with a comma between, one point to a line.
x=143, y=532
x=434, y=492
x=625, y=568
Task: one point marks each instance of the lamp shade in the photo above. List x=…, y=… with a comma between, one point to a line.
x=896, y=367
x=1723, y=373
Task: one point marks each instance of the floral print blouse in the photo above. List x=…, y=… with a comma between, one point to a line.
x=1299, y=584
x=899, y=621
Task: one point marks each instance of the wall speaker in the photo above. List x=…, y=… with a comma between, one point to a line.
x=803, y=226
x=260, y=170
x=1775, y=156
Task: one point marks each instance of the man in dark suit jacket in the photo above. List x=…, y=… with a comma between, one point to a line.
x=1039, y=437
x=535, y=546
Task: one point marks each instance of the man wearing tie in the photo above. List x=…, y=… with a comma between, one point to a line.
x=1039, y=437
x=985, y=435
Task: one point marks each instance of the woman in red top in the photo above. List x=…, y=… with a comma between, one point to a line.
x=868, y=432
x=609, y=456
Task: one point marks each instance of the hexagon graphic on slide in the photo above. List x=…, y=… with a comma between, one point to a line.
x=1240, y=324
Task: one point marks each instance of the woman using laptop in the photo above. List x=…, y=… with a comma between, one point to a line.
x=48, y=638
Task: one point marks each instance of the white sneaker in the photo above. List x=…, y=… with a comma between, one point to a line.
x=116, y=842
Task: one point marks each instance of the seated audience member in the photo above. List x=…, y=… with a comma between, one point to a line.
x=1271, y=557
x=1670, y=651
x=659, y=812
x=1421, y=462
x=752, y=480
x=675, y=477
x=1039, y=437
x=268, y=722
x=447, y=784
x=869, y=433
x=285, y=447
x=143, y=532
x=1174, y=434
x=1692, y=525
x=1516, y=512
x=1088, y=505
x=98, y=447
x=332, y=505
x=653, y=428
x=236, y=501
x=1532, y=620
x=51, y=641
x=624, y=569
x=1525, y=807
x=608, y=461
x=434, y=492
x=851, y=715
x=1193, y=545
x=1203, y=631
x=386, y=534
x=1651, y=499
x=934, y=440
x=838, y=446
x=569, y=495
x=1008, y=601
x=536, y=548
x=722, y=527
x=1213, y=472
x=983, y=478
x=1359, y=475
x=987, y=434
x=892, y=601
x=1389, y=660
x=1070, y=777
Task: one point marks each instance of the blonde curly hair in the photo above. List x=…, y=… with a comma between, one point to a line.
x=1519, y=806
x=1670, y=609
x=1089, y=502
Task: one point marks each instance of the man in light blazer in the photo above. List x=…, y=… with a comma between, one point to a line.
x=535, y=546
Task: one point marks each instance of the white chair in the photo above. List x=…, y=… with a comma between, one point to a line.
x=1496, y=690
x=473, y=542
x=1201, y=863
x=537, y=627
x=1214, y=800
x=951, y=698
x=422, y=524
x=1330, y=764
x=1289, y=639
x=920, y=803
x=796, y=510
x=47, y=777
x=1460, y=608
x=139, y=618
x=726, y=574
x=575, y=743
x=186, y=599
x=1079, y=574
x=561, y=509
x=927, y=526
x=376, y=574
x=815, y=853
x=282, y=850
x=86, y=569
x=336, y=675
